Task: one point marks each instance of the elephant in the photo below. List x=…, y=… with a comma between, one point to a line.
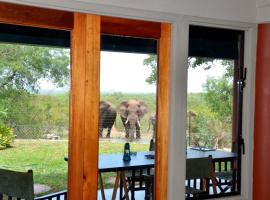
x=131, y=112
x=107, y=116
x=152, y=121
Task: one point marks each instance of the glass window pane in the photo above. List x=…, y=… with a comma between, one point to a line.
x=34, y=113
x=127, y=123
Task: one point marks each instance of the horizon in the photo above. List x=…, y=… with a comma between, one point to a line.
x=114, y=64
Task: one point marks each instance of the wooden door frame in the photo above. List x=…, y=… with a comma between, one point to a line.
x=83, y=176
x=84, y=105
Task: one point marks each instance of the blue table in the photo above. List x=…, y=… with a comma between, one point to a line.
x=115, y=163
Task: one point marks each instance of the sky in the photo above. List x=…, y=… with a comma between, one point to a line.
x=125, y=72
x=197, y=77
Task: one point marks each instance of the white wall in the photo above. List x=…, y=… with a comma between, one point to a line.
x=263, y=11
x=233, y=10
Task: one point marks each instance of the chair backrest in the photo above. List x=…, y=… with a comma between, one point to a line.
x=198, y=168
x=17, y=184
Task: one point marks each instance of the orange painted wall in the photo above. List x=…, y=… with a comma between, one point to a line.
x=261, y=164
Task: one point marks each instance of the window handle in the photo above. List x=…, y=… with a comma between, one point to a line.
x=242, y=81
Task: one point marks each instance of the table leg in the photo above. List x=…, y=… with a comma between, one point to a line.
x=123, y=178
x=121, y=188
x=116, y=183
x=133, y=185
x=233, y=168
x=101, y=186
x=203, y=184
x=213, y=178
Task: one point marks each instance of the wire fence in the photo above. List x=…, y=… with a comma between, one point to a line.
x=40, y=131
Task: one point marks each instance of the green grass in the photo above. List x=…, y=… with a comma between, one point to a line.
x=46, y=159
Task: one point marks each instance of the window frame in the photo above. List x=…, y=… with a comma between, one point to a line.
x=179, y=78
x=237, y=103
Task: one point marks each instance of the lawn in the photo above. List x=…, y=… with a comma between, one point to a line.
x=46, y=159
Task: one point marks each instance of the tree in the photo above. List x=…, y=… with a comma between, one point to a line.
x=151, y=61
x=193, y=62
x=219, y=96
x=22, y=67
x=3, y=113
x=215, y=128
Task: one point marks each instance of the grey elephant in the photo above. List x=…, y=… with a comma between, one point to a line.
x=107, y=116
x=131, y=112
x=152, y=121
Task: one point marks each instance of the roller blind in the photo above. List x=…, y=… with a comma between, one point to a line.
x=34, y=36
x=214, y=42
x=61, y=38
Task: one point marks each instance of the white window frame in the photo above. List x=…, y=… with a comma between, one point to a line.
x=179, y=97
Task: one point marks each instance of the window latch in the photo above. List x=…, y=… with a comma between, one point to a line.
x=242, y=81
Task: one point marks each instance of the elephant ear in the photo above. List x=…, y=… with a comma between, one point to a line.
x=103, y=105
x=143, y=108
x=122, y=109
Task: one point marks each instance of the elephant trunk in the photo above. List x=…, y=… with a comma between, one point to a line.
x=132, y=132
x=132, y=121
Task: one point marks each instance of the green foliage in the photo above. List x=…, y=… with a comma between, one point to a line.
x=193, y=62
x=206, y=63
x=218, y=95
x=212, y=124
x=203, y=136
x=3, y=113
x=151, y=61
x=229, y=68
x=6, y=136
x=22, y=67
x=34, y=115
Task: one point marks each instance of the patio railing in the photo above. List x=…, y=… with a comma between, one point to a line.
x=55, y=196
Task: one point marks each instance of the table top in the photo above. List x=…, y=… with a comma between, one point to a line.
x=114, y=162
x=216, y=154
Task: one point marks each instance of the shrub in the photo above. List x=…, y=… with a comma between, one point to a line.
x=6, y=136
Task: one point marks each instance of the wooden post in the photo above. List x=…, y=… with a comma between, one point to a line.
x=161, y=159
x=83, y=150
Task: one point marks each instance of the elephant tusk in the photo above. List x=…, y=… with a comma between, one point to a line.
x=139, y=124
x=126, y=121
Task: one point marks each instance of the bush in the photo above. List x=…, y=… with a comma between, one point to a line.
x=6, y=136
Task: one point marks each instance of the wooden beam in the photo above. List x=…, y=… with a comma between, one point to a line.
x=36, y=17
x=83, y=151
x=130, y=27
x=161, y=159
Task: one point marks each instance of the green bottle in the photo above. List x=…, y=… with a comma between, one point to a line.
x=126, y=156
